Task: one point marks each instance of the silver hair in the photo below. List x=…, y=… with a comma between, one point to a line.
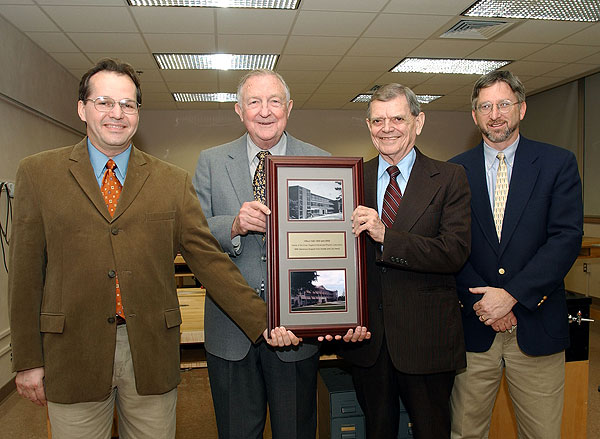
x=261, y=72
x=392, y=91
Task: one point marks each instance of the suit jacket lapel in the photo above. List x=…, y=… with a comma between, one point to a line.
x=418, y=194
x=137, y=174
x=524, y=174
x=81, y=169
x=239, y=171
x=480, y=199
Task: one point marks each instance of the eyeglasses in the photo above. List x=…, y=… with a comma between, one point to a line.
x=503, y=107
x=104, y=104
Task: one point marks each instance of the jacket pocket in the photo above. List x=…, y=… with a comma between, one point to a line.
x=160, y=216
x=173, y=317
x=53, y=323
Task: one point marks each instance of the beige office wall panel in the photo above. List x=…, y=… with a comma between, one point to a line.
x=179, y=136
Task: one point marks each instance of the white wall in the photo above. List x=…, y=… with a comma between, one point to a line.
x=35, y=80
x=179, y=136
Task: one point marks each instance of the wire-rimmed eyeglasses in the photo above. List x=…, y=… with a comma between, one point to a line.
x=104, y=104
x=503, y=107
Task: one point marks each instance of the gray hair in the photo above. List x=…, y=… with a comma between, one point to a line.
x=261, y=72
x=392, y=91
x=491, y=78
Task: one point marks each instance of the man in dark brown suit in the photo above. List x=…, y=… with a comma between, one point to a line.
x=416, y=241
x=74, y=260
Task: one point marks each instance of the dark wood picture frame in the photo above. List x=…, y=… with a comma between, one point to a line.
x=280, y=264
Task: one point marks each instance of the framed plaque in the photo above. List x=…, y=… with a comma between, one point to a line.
x=317, y=283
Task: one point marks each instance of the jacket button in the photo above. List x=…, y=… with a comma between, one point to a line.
x=112, y=274
x=403, y=262
x=381, y=306
x=501, y=271
x=263, y=258
x=114, y=231
x=110, y=320
x=383, y=269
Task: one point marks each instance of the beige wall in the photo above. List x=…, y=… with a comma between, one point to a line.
x=179, y=136
x=32, y=78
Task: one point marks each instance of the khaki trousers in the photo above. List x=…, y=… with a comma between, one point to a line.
x=140, y=417
x=535, y=384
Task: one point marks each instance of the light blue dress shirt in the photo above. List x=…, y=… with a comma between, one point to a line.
x=99, y=160
x=383, y=178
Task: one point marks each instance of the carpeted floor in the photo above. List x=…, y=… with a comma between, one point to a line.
x=20, y=419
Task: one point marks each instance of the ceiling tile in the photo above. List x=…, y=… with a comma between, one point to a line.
x=439, y=48
x=366, y=63
x=572, y=70
x=594, y=59
x=408, y=79
x=254, y=21
x=91, y=18
x=28, y=18
x=151, y=75
x=532, y=67
x=72, y=60
x=434, y=7
x=351, y=77
x=306, y=62
x=538, y=83
x=109, y=42
x=350, y=89
x=81, y=2
x=198, y=87
x=251, y=43
x=175, y=20
x=153, y=87
x=139, y=61
x=302, y=88
x=346, y=24
x=53, y=41
x=398, y=47
x=541, y=31
x=588, y=36
x=406, y=26
x=303, y=76
x=180, y=43
x=307, y=45
x=343, y=5
x=158, y=106
x=562, y=53
x=507, y=51
x=158, y=97
x=434, y=89
x=229, y=79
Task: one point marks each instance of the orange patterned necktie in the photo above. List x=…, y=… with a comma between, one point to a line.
x=111, y=190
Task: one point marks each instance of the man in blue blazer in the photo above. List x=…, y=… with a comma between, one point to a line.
x=244, y=377
x=524, y=241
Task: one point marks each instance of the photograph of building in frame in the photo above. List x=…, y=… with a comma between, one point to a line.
x=317, y=200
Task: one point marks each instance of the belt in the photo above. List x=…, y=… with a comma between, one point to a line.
x=120, y=320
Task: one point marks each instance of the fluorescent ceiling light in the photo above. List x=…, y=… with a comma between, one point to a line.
x=256, y=4
x=566, y=10
x=423, y=99
x=217, y=61
x=441, y=65
x=205, y=97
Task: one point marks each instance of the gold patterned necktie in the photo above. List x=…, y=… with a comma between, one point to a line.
x=111, y=190
x=500, y=194
x=259, y=183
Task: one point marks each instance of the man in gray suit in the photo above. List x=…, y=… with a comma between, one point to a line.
x=243, y=376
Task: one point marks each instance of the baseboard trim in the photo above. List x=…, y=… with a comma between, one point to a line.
x=7, y=389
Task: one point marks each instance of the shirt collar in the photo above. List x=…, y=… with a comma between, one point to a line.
x=99, y=160
x=491, y=153
x=405, y=165
x=278, y=149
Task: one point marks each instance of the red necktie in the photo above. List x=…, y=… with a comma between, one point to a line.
x=392, y=198
x=111, y=190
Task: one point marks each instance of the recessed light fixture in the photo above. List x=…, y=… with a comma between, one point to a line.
x=255, y=4
x=205, y=97
x=565, y=10
x=441, y=65
x=423, y=99
x=216, y=61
